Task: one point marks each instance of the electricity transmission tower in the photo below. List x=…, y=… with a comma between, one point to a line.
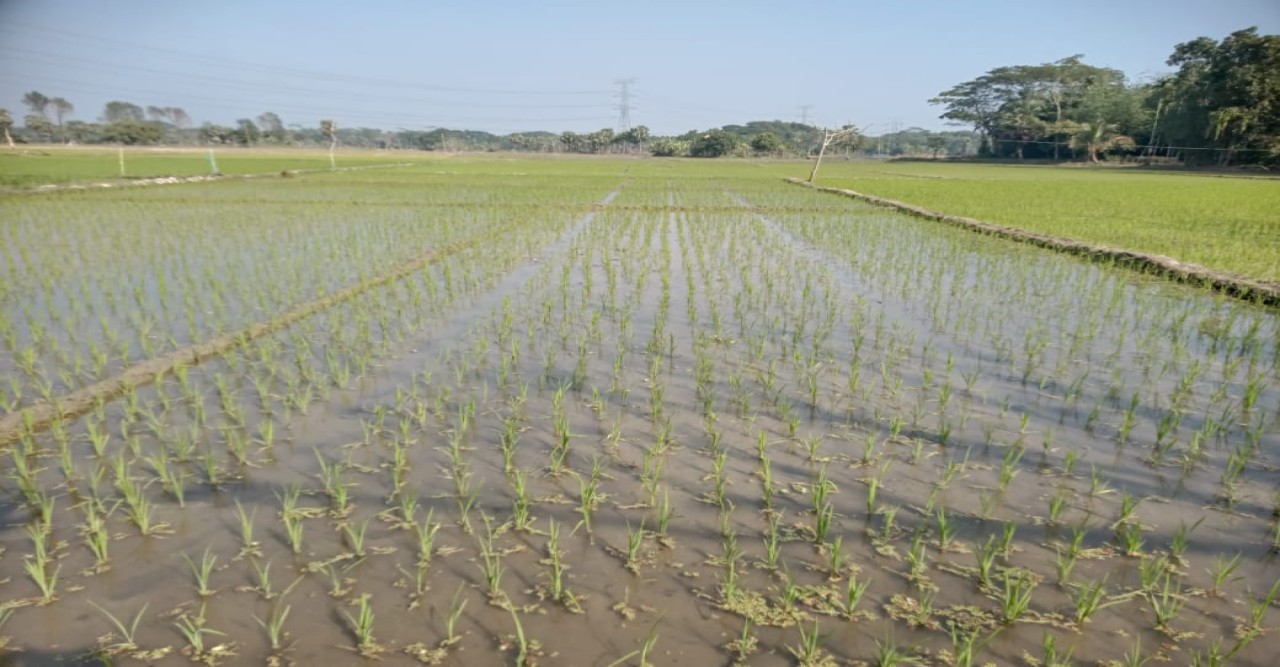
x=624, y=104
x=804, y=113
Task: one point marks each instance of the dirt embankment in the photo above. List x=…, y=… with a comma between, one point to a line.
x=1256, y=291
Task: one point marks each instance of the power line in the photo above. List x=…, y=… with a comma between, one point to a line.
x=624, y=104
x=331, y=92
x=112, y=44
x=350, y=115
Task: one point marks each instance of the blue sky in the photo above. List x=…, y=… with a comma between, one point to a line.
x=511, y=66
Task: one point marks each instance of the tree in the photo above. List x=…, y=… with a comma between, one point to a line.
x=1225, y=96
x=39, y=125
x=1107, y=113
x=767, y=143
x=1097, y=136
x=36, y=102
x=61, y=109
x=6, y=123
x=215, y=134
x=570, y=141
x=847, y=135
x=600, y=139
x=117, y=110
x=936, y=143
x=796, y=137
x=1061, y=82
x=178, y=116
x=1025, y=108
x=1022, y=124
x=668, y=148
x=247, y=133
x=715, y=143
x=271, y=125
x=132, y=132
x=83, y=133
x=635, y=137
x=975, y=103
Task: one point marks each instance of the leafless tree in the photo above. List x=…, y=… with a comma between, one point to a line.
x=845, y=134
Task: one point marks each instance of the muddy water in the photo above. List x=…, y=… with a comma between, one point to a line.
x=669, y=337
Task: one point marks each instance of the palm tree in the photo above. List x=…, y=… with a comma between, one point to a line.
x=1097, y=136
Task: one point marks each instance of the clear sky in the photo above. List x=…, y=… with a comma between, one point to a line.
x=507, y=66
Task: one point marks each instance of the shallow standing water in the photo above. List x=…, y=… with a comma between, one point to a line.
x=715, y=368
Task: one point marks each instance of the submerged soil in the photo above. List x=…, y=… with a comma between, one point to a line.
x=731, y=401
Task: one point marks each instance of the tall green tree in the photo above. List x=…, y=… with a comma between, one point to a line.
x=61, y=109
x=767, y=143
x=1030, y=109
x=716, y=143
x=1107, y=117
x=1224, y=96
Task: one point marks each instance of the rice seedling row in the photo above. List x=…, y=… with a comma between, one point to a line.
x=716, y=420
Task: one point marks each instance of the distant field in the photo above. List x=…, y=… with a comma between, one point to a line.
x=38, y=165
x=1225, y=223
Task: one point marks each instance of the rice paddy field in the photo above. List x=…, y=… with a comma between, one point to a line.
x=1225, y=222
x=37, y=166
x=617, y=412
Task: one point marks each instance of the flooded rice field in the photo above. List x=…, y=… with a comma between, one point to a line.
x=628, y=416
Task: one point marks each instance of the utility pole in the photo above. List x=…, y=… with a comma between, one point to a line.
x=624, y=104
x=804, y=113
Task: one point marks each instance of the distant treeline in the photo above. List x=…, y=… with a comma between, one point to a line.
x=130, y=124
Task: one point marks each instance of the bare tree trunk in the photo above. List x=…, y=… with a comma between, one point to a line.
x=8, y=137
x=333, y=143
x=818, y=163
